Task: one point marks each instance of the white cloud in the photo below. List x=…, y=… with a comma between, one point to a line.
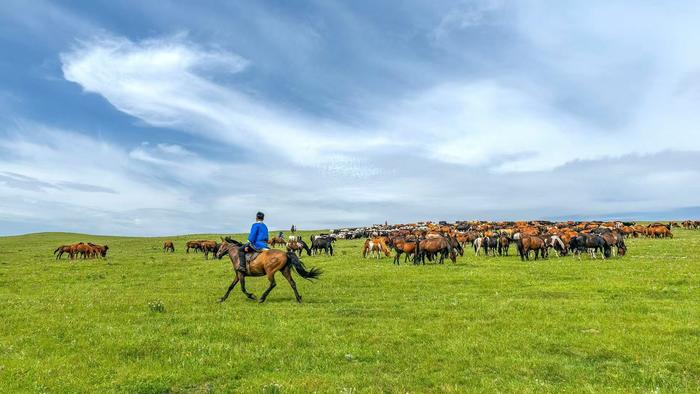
x=166, y=82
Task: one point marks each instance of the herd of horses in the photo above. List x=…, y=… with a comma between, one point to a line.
x=322, y=243
x=418, y=242
x=532, y=239
x=82, y=250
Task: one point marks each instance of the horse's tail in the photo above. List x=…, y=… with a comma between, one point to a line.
x=299, y=267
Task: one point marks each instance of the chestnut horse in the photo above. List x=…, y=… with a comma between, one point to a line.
x=274, y=241
x=267, y=263
x=168, y=246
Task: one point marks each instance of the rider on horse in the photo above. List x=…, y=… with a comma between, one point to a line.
x=257, y=240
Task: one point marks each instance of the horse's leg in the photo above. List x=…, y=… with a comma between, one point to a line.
x=233, y=284
x=287, y=273
x=249, y=295
x=271, y=278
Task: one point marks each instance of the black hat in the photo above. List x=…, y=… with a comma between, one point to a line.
x=260, y=216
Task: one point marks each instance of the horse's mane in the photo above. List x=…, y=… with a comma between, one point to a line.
x=232, y=241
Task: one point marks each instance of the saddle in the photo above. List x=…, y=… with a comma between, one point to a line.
x=251, y=253
x=250, y=256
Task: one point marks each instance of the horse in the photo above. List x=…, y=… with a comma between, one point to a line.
x=503, y=245
x=168, y=246
x=298, y=245
x=274, y=241
x=97, y=250
x=555, y=242
x=209, y=247
x=434, y=247
x=324, y=243
x=531, y=243
x=477, y=244
x=455, y=244
x=375, y=246
x=266, y=264
x=64, y=249
x=196, y=245
x=84, y=250
x=590, y=242
x=490, y=243
x=615, y=243
x=402, y=245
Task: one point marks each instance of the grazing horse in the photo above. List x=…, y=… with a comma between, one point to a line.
x=98, y=250
x=528, y=243
x=455, y=244
x=168, y=246
x=555, y=242
x=430, y=247
x=375, y=246
x=267, y=263
x=615, y=243
x=590, y=242
x=298, y=245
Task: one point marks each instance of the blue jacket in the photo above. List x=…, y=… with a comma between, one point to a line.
x=258, y=235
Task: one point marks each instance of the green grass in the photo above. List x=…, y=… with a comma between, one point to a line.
x=144, y=321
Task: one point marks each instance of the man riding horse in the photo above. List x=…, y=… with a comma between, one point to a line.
x=257, y=240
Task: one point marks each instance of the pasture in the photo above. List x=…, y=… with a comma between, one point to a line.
x=147, y=321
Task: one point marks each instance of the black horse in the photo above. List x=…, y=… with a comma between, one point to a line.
x=322, y=243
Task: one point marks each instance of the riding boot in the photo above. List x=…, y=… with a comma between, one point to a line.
x=241, y=259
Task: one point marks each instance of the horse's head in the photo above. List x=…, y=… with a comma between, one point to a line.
x=228, y=245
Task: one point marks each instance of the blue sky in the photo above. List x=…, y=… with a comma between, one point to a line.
x=170, y=117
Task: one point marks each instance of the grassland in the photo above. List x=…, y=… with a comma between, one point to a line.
x=485, y=324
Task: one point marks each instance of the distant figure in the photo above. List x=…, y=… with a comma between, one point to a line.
x=281, y=234
x=293, y=229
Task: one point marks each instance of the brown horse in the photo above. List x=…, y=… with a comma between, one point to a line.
x=298, y=245
x=402, y=245
x=430, y=247
x=274, y=241
x=168, y=246
x=531, y=243
x=196, y=245
x=64, y=249
x=267, y=263
x=208, y=247
x=98, y=250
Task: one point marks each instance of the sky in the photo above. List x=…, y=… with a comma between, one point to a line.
x=174, y=117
